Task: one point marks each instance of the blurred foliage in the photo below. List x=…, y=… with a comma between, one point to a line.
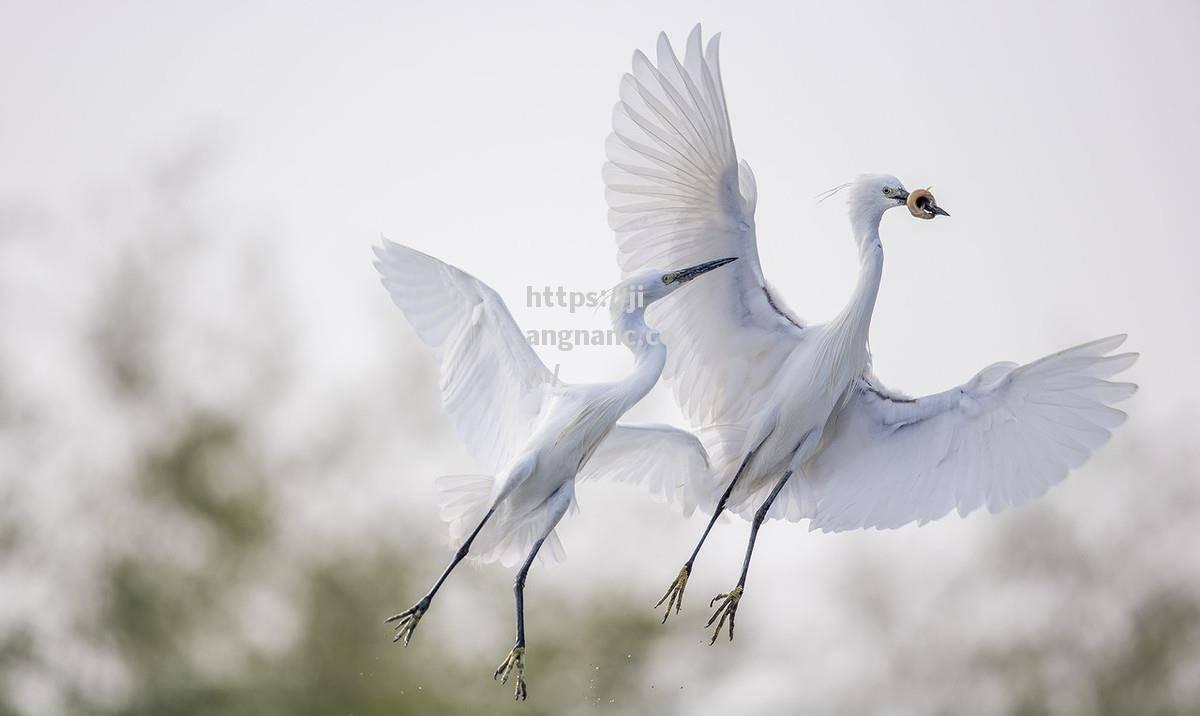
x=209, y=454
x=202, y=595
x=202, y=536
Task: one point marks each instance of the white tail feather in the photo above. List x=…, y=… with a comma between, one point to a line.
x=463, y=500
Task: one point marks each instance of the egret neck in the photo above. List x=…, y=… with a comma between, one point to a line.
x=845, y=340
x=629, y=322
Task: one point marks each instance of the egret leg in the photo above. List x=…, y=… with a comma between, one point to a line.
x=729, y=600
x=406, y=621
x=675, y=591
x=514, y=663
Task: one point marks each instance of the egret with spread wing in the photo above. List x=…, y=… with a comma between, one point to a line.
x=534, y=435
x=796, y=424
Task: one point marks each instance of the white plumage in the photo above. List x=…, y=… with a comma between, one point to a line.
x=997, y=441
x=669, y=463
x=531, y=433
x=534, y=435
x=493, y=384
x=796, y=406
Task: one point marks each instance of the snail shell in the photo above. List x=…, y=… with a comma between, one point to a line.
x=918, y=201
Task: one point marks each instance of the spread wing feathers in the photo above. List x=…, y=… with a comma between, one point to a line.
x=677, y=196
x=669, y=462
x=1000, y=440
x=493, y=384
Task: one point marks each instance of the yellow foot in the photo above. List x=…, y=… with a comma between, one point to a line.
x=727, y=610
x=406, y=621
x=675, y=592
x=515, y=661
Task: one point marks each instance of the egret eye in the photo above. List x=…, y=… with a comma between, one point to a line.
x=887, y=191
x=668, y=278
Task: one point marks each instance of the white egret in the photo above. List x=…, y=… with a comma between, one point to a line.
x=534, y=435
x=796, y=423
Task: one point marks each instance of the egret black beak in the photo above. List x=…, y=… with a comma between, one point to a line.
x=900, y=196
x=687, y=274
x=935, y=209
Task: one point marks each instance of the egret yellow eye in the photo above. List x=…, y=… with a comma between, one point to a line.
x=887, y=191
x=668, y=278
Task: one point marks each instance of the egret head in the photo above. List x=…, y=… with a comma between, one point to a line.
x=873, y=194
x=649, y=285
x=660, y=284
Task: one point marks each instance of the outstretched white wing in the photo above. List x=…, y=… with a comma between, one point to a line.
x=1000, y=440
x=493, y=384
x=669, y=462
x=677, y=196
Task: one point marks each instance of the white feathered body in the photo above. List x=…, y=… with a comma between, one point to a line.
x=817, y=376
x=535, y=435
x=751, y=376
x=787, y=430
x=539, y=485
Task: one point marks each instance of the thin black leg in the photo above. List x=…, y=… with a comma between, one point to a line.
x=459, y=555
x=720, y=508
x=519, y=590
x=729, y=600
x=406, y=621
x=674, y=595
x=514, y=663
x=759, y=518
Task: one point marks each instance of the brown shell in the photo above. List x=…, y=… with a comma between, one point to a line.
x=917, y=207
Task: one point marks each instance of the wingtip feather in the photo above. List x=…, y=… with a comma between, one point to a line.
x=665, y=52
x=714, y=44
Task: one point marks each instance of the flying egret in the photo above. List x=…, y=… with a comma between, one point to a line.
x=796, y=424
x=534, y=434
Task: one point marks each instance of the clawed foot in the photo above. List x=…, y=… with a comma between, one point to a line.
x=407, y=620
x=515, y=661
x=675, y=592
x=728, y=609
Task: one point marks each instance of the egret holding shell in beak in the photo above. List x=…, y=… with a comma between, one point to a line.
x=796, y=422
x=922, y=205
